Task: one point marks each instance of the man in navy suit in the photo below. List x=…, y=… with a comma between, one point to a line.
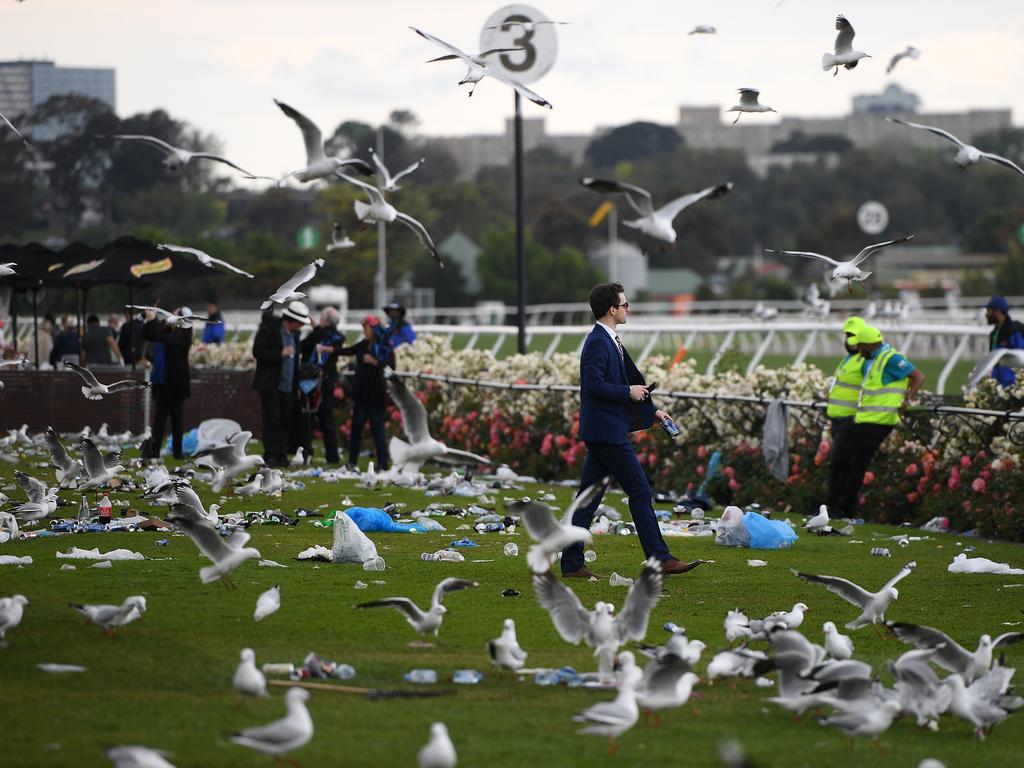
x=612, y=391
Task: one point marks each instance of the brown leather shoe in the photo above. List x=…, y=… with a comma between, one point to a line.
x=675, y=566
x=582, y=573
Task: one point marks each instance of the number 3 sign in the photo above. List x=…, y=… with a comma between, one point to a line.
x=520, y=26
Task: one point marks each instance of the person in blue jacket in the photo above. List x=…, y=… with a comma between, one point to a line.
x=399, y=331
x=1007, y=333
x=213, y=333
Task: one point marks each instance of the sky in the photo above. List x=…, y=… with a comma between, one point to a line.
x=220, y=63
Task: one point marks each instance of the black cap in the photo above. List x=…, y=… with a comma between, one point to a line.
x=395, y=305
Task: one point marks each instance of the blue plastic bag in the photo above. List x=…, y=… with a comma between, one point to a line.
x=373, y=520
x=768, y=534
x=189, y=443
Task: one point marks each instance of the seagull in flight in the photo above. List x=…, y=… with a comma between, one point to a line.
x=225, y=554
x=182, y=321
x=68, y=469
x=526, y=26
x=339, y=240
x=390, y=183
x=949, y=654
x=17, y=133
x=844, y=55
x=204, y=258
x=7, y=269
x=428, y=621
x=1011, y=358
x=847, y=270
x=95, y=391
x=910, y=53
x=287, y=291
x=96, y=466
x=873, y=605
x=656, y=223
x=318, y=164
x=176, y=158
x=703, y=29
x=478, y=69
x=749, y=103
x=380, y=209
x=231, y=459
x=965, y=154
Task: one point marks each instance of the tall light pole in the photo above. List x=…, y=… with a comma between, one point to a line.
x=380, y=282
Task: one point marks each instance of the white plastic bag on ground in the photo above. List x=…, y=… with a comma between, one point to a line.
x=964, y=564
x=731, y=531
x=351, y=545
x=77, y=553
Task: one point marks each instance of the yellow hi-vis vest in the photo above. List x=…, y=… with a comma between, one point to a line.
x=845, y=392
x=880, y=404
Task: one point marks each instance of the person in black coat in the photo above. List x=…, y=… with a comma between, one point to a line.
x=170, y=378
x=326, y=342
x=275, y=348
x=369, y=393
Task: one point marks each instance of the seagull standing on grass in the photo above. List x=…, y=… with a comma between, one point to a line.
x=176, y=158
x=748, y=103
x=288, y=291
x=819, y=521
x=844, y=55
x=847, y=270
x=478, y=69
x=984, y=703
x=248, y=680
x=11, y=611
x=135, y=756
x=429, y=621
x=873, y=605
x=280, y=737
x=837, y=645
x=965, y=153
x=110, y=617
x=613, y=718
x=910, y=53
x=318, y=164
x=267, y=603
x=95, y=391
x=554, y=536
x=655, y=223
x=505, y=651
x=203, y=258
x=439, y=752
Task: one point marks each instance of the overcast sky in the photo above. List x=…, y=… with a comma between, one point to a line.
x=219, y=63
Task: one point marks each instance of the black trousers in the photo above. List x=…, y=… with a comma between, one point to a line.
x=325, y=418
x=866, y=440
x=162, y=409
x=277, y=424
x=839, y=460
x=361, y=411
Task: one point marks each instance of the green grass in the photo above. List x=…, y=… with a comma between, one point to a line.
x=165, y=681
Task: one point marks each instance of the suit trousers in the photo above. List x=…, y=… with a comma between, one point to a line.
x=325, y=418
x=838, y=461
x=867, y=438
x=277, y=424
x=361, y=411
x=621, y=463
x=162, y=410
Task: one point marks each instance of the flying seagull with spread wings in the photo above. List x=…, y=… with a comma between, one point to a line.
x=965, y=154
x=95, y=391
x=176, y=158
x=847, y=270
x=319, y=165
x=844, y=55
x=204, y=258
x=225, y=554
x=182, y=321
x=389, y=183
x=873, y=605
x=749, y=103
x=288, y=291
x=428, y=621
x=910, y=53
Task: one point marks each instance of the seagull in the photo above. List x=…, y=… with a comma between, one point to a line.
x=748, y=103
x=135, y=756
x=96, y=466
x=110, y=617
x=816, y=306
x=950, y=655
x=421, y=448
x=231, y=458
x=837, y=645
x=872, y=604
x=318, y=164
x=225, y=554
x=297, y=460
x=736, y=626
x=390, y=183
x=505, y=651
x=668, y=677
x=740, y=662
x=7, y=269
x=844, y=54
x=553, y=536
x=17, y=133
x=478, y=69
x=762, y=312
x=273, y=480
x=424, y=622
x=96, y=391
x=369, y=478
x=11, y=611
x=1011, y=358
x=527, y=26
x=704, y=29
x=598, y=628
x=204, y=258
x=186, y=495
x=819, y=521
x=281, y=736
x=248, y=680
x=182, y=321
x=788, y=619
x=251, y=488
x=985, y=703
x=794, y=657
x=872, y=718
x=42, y=501
x=910, y=53
x=339, y=240
x=656, y=223
x=965, y=154
x=177, y=158
x=267, y=603
x=847, y=270
x=919, y=689
x=613, y=718
x=439, y=752
x=380, y=209
x=287, y=291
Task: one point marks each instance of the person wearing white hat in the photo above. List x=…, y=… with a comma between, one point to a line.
x=275, y=348
x=170, y=378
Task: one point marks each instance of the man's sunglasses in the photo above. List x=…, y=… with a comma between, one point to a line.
x=623, y=304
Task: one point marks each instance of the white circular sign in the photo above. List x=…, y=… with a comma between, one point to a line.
x=520, y=26
x=873, y=217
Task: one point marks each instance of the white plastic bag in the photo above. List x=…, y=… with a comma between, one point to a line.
x=351, y=545
x=731, y=531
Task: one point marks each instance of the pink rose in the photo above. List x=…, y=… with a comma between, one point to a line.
x=733, y=485
x=911, y=469
x=978, y=486
x=965, y=461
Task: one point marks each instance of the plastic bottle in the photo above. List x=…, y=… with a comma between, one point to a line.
x=589, y=556
x=880, y=552
x=344, y=671
x=374, y=564
x=421, y=676
x=466, y=677
x=278, y=668
x=104, y=509
x=511, y=550
x=84, y=513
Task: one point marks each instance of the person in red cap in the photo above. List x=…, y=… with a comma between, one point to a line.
x=369, y=393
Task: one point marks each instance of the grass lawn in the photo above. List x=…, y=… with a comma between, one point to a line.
x=165, y=681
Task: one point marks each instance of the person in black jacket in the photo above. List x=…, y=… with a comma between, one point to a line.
x=369, y=394
x=326, y=342
x=275, y=348
x=130, y=341
x=169, y=378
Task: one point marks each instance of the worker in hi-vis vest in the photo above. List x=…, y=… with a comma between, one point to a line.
x=842, y=407
x=890, y=382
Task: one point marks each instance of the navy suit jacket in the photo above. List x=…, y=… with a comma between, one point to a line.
x=606, y=413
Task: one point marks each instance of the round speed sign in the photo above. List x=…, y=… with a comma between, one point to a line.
x=526, y=28
x=873, y=218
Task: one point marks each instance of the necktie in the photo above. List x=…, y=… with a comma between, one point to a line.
x=622, y=352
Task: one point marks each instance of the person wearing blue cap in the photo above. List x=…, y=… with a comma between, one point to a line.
x=1007, y=334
